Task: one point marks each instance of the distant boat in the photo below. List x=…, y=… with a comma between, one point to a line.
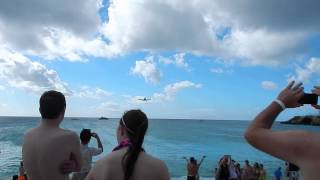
x=103, y=118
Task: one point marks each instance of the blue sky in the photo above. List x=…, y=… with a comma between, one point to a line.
x=199, y=60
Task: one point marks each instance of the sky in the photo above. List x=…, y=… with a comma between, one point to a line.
x=194, y=59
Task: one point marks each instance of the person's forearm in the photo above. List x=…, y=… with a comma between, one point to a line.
x=266, y=118
x=99, y=143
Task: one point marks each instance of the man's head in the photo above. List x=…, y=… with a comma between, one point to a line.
x=85, y=136
x=192, y=159
x=52, y=105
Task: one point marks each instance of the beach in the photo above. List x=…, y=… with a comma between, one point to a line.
x=167, y=139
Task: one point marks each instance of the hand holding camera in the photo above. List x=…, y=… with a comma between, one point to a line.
x=95, y=135
x=291, y=95
x=316, y=91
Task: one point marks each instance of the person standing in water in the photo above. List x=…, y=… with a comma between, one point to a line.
x=193, y=167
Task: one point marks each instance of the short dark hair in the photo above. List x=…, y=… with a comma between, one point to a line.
x=52, y=103
x=85, y=135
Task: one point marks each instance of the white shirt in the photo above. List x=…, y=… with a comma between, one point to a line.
x=232, y=171
x=87, y=153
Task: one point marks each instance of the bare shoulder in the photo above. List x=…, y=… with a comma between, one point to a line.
x=111, y=159
x=155, y=162
x=29, y=133
x=102, y=166
x=69, y=134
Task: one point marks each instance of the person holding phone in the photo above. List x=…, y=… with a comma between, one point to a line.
x=299, y=147
x=87, y=153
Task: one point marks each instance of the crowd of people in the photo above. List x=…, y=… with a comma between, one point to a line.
x=229, y=169
x=52, y=153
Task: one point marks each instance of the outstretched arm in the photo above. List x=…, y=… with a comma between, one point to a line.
x=203, y=157
x=95, y=135
x=286, y=145
x=185, y=159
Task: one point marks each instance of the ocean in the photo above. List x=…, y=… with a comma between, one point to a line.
x=166, y=139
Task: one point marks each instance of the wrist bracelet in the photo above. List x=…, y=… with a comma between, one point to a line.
x=280, y=104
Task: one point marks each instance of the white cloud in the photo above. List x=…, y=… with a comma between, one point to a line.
x=147, y=69
x=168, y=93
x=274, y=48
x=171, y=89
x=110, y=107
x=254, y=33
x=192, y=26
x=178, y=60
x=21, y=72
x=304, y=74
x=63, y=44
x=2, y=88
x=269, y=85
x=156, y=26
x=217, y=70
x=89, y=92
x=58, y=29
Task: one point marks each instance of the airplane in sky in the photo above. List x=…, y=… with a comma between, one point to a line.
x=145, y=99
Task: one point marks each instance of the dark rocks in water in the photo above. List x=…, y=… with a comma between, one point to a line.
x=103, y=118
x=304, y=120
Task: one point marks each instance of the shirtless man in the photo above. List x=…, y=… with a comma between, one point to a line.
x=47, y=146
x=296, y=146
x=193, y=168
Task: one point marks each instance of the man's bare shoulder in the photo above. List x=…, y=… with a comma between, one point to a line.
x=68, y=133
x=30, y=132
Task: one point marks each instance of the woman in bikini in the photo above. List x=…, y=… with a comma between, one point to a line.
x=129, y=160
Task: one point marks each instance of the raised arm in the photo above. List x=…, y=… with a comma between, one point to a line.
x=185, y=159
x=203, y=157
x=286, y=145
x=95, y=135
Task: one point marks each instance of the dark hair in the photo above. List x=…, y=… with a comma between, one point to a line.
x=136, y=124
x=52, y=103
x=192, y=159
x=256, y=165
x=85, y=135
x=15, y=177
x=261, y=166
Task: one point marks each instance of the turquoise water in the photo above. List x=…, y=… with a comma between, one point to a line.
x=169, y=140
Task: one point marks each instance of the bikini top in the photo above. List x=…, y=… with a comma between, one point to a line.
x=123, y=144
